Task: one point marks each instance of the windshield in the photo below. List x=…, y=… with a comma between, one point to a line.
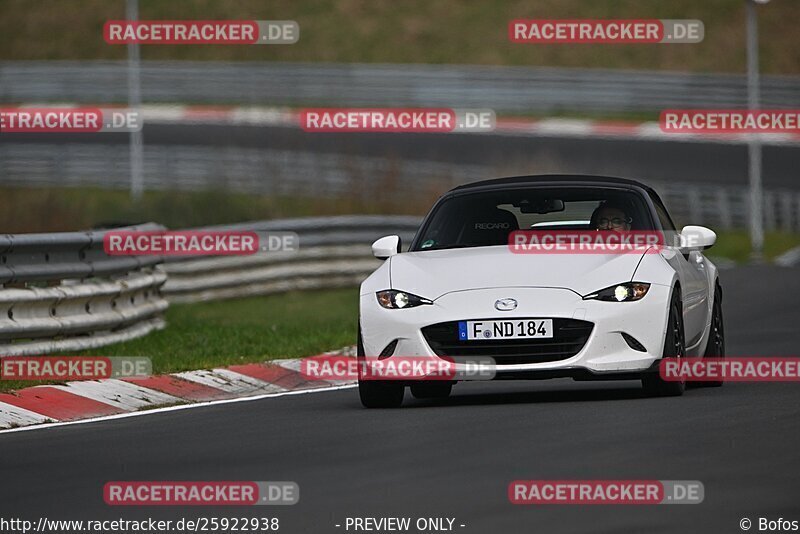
x=487, y=218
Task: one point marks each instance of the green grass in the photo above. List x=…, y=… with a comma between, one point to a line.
x=255, y=329
x=412, y=31
x=55, y=209
x=288, y=325
x=736, y=245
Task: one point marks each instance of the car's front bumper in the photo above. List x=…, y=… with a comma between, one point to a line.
x=604, y=352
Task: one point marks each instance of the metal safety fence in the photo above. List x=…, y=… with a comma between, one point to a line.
x=333, y=252
x=61, y=292
x=504, y=89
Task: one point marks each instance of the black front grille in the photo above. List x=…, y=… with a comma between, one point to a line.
x=569, y=337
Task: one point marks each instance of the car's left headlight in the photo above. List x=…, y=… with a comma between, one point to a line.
x=625, y=292
x=392, y=299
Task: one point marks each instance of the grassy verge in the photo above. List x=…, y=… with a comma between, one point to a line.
x=412, y=31
x=206, y=335
x=56, y=209
x=252, y=329
x=736, y=245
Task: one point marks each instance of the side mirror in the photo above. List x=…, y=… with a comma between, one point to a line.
x=386, y=247
x=697, y=238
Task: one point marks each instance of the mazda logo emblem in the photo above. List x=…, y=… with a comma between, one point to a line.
x=505, y=304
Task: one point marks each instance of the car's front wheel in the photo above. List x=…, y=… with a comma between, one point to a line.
x=674, y=347
x=716, y=341
x=431, y=390
x=377, y=393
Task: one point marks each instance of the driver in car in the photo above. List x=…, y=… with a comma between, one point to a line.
x=610, y=216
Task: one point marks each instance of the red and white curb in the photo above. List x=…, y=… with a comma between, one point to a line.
x=553, y=127
x=91, y=399
x=556, y=127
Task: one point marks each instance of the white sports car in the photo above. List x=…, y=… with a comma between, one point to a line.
x=460, y=291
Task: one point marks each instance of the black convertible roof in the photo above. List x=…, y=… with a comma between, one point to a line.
x=546, y=179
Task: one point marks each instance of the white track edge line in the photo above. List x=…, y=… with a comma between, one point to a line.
x=790, y=258
x=174, y=408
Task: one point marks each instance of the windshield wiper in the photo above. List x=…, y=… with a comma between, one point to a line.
x=463, y=245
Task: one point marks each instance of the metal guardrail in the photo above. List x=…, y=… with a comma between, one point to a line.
x=728, y=207
x=61, y=292
x=333, y=252
x=504, y=89
x=240, y=169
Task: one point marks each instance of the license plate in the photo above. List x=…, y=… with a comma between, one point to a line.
x=509, y=329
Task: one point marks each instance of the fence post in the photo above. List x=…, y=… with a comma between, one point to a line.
x=769, y=209
x=695, y=207
x=724, y=207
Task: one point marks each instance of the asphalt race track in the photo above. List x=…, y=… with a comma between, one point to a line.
x=456, y=458
x=507, y=155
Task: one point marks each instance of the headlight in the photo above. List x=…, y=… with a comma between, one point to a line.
x=627, y=292
x=393, y=299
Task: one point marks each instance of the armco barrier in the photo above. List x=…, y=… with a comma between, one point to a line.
x=61, y=292
x=728, y=208
x=504, y=89
x=333, y=252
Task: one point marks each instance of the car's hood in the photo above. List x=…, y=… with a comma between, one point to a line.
x=433, y=273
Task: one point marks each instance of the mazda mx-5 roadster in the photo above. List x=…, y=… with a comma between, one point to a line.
x=462, y=293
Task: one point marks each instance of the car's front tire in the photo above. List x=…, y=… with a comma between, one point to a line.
x=716, y=340
x=431, y=390
x=674, y=347
x=377, y=393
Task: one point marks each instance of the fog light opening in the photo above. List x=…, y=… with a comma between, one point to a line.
x=388, y=351
x=633, y=343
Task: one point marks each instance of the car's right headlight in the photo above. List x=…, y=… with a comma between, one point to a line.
x=392, y=299
x=625, y=292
